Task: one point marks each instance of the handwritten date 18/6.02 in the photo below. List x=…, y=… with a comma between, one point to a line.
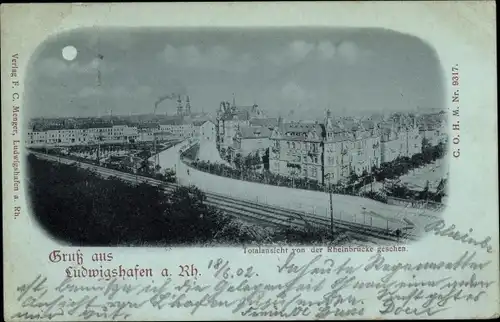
x=222, y=269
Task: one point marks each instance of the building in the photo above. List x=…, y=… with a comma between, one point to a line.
x=252, y=139
x=35, y=138
x=328, y=152
x=207, y=132
x=147, y=131
x=400, y=138
x=179, y=127
x=230, y=118
x=434, y=128
x=183, y=110
x=433, y=132
x=296, y=150
x=412, y=136
x=392, y=142
x=86, y=134
x=268, y=122
x=114, y=134
x=350, y=146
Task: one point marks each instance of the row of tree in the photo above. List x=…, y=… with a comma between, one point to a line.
x=403, y=192
x=248, y=174
x=351, y=186
x=144, y=167
x=81, y=208
x=402, y=165
x=249, y=161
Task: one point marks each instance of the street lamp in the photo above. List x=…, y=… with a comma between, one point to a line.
x=293, y=174
x=328, y=177
x=136, y=173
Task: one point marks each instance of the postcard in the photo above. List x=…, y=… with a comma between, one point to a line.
x=250, y=161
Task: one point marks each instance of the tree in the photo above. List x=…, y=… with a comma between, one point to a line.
x=144, y=154
x=441, y=185
x=222, y=153
x=353, y=177
x=82, y=208
x=144, y=167
x=252, y=160
x=440, y=190
x=169, y=175
x=238, y=160
x=256, y=159
x=294, y=173
x=265, y=159
x=365, y=177
x=425, y=144
x=424, y=194
x=248, y=161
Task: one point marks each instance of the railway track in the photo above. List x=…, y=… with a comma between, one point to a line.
x=253, y=212
x=285, y=217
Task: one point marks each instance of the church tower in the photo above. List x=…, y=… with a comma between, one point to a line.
x=187, y=110
x=179, y=105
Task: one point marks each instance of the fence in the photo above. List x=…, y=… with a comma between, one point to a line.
x=309, y=204
x=415, y=203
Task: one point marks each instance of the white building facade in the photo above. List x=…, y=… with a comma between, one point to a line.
x=81, y=136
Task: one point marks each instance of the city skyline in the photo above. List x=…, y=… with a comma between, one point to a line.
x=287, y=72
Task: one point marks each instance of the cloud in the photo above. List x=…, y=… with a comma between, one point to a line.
x=349, y=51
x=326, y=50
x=300, y=49
x=297, y=51
x=170, y=54
x=192, y=56
x=294, y=52
x=212, y=58
x=56, y=67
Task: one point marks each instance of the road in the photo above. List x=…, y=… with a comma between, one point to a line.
x=346, y=208
x=252, y=211
x=170, y=158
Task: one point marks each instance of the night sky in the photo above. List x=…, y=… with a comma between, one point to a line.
x=299, y=72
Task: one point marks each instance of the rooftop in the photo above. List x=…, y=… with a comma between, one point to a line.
x=254, y=132
x=268, y=122
x=148, y=125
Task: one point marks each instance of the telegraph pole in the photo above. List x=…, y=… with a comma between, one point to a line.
x=332, y=228
x=331, y=209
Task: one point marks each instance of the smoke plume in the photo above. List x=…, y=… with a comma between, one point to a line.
x=165, y=97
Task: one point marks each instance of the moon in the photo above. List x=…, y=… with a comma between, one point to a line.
x=69, y=53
